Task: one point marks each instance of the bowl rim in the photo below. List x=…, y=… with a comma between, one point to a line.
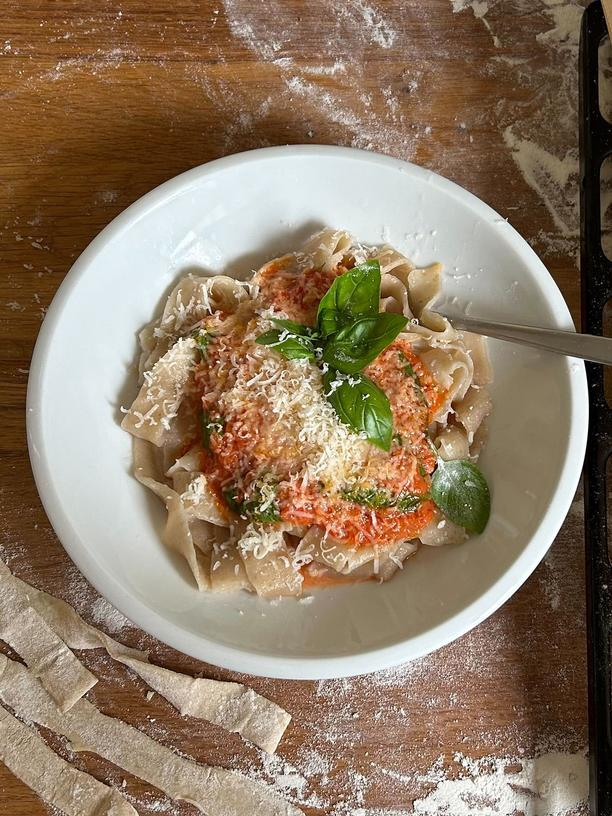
x=303, y=668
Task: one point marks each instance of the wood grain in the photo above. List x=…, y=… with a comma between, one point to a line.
x=101, y=101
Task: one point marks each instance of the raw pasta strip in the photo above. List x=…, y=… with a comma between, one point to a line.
x=215, y=791
x=74, y=792
x=232, y=706
x=26, y=631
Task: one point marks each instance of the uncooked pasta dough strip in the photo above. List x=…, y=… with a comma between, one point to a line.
x=215, y=791
x=47, y=655
x=231, y=706
x=72, y=791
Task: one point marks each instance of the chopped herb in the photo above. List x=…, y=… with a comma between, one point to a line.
x=398, y=438
x=370, y=496
x=202, y=338
x=410, y=372
x=231, y=499
x=271, y=512
x=253, y=508
x=407, y=502
x=421, y=469
x=379, y=498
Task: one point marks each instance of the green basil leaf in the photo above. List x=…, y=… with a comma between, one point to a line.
x=361, y=405
x=290, y=346
x=354, y=294
x=354, y=346
x=461, y=491
x=293, y=327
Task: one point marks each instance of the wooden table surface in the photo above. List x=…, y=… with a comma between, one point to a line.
x=100, y=102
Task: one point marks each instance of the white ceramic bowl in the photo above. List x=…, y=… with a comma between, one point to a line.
x=235, y=213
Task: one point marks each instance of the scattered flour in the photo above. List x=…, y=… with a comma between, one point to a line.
x=534, y=131
x=368, y=22
x=553, y=783
x=548, y=785
x=107, y=617
x=566, y=31
x=354, y=29
x=552, y=175
x=107, y=196
x=554, y=178
x=479, y=7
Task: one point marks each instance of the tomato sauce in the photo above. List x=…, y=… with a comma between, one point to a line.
x=295, y=291
x=247, y=445
x=352, y=523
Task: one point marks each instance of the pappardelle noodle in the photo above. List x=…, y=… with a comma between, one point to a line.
x=313, y=425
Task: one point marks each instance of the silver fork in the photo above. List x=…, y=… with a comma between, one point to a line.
x=571, y=344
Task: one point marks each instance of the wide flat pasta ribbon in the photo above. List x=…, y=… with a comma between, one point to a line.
x=214, y=791
x=74, y=792
x=47, y=655
x=232, y=706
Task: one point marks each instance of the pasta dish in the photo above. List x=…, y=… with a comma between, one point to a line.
x=313, y=425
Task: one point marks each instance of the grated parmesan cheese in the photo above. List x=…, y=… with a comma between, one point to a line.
x=260, y=540
x=292, y=403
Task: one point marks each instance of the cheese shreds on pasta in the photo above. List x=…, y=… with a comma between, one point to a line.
x=267, y=488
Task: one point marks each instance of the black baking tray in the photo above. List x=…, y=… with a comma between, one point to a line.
x=596, y=275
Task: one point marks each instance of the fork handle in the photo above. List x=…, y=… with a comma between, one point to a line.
x=572, y=344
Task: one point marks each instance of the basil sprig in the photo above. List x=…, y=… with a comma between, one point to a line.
x=460, y=490
x=354, y=347
x=361, y=405
x=354, y=294
x=350, y=333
